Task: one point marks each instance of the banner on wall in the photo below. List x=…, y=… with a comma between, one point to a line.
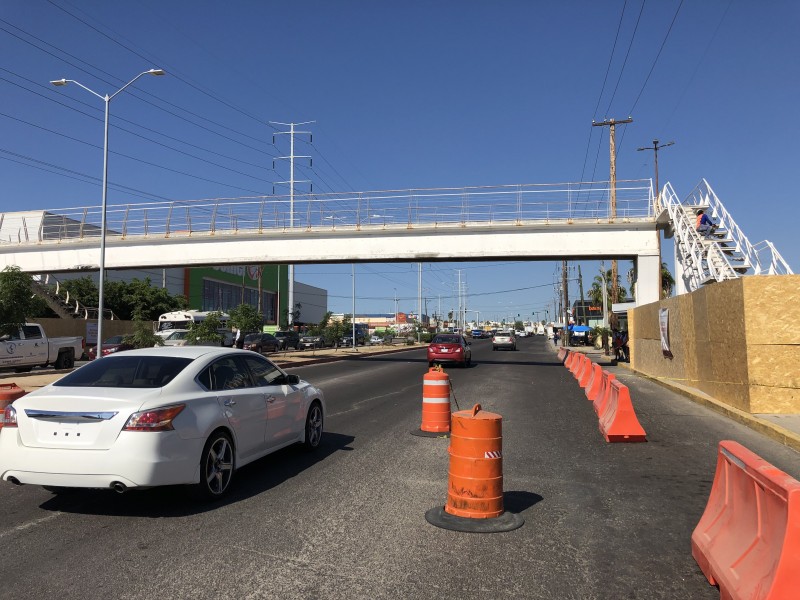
x=663, y=317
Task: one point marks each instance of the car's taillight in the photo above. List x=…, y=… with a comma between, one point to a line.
x=9, y=417
x=458, y=349
x=159, y=419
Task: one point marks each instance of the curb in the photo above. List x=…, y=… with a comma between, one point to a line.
x=762, y=426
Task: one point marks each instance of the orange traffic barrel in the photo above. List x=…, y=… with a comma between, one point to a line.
x=475, y=487
x=8, y=393
x=435, y=401
x=475, y=482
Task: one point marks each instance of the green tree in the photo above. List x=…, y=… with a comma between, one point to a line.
x=206, y=330
x=319, y=328
x=295, y=314
x=518, y=325
x=84, y=290
x=246, y=318
x=143, y=335
x=15, y=299
x=126, y=298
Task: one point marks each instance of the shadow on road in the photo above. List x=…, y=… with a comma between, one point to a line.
x=517, y=502
x=177, y=501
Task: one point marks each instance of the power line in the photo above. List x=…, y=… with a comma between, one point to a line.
x=627, y=54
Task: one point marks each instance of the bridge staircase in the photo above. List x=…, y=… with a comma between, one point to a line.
x=59, y=300
x=727, y=254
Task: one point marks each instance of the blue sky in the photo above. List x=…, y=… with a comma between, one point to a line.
x=405, y=95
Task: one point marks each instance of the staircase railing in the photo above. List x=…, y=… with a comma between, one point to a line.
x=701, y=262
x=763, y=258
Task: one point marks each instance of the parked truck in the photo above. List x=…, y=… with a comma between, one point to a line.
x=30, y=347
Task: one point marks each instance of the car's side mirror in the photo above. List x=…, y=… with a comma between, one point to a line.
x=292, y=379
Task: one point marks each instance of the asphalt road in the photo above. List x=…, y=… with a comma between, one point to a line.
x=601, y=520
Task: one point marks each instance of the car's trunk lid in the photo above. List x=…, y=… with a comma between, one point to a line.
x=72, y=419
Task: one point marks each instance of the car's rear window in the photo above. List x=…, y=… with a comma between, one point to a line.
x=253, y=337
x=126, y=372
x=446, y=339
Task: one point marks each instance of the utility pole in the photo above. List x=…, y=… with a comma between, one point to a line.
x=611, y=124
x=580, y=287
x=291, y=158
x=565, y=293
x=655, y=150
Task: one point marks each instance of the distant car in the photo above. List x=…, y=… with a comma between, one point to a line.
x=449, y=348
x=477, y=334
x=504, y=339
x=261, y=343
x=110, y=346
x=312, y=341
x=375, y=340
x=158, y=416
x=177, y=337
x=288, y=339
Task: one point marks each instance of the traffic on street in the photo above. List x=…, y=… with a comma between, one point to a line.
x=348, y=520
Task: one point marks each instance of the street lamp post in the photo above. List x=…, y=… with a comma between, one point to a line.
x=107, y=100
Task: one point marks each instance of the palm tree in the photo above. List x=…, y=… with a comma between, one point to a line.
x=596, y=291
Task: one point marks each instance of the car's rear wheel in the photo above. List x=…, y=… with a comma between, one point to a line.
x=314, y=423
x=216, y=466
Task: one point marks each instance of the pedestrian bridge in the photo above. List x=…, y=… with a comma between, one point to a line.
x=514, y=222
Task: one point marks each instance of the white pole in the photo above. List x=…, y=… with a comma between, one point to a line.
x=290, y=318
x=419, y=301
x=353, y=269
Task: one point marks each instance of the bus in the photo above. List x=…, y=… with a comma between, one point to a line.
x=180, y=319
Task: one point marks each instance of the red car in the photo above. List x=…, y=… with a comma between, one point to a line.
x=449, y=348
x=110, y=346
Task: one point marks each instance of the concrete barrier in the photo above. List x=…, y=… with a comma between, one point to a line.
x=748, y=540
x=595, y=382
x=618, y=422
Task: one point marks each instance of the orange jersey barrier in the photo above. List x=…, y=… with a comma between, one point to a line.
x=618, y=421
x=585, y=372
x=577, y=364
x=748, y=540
x=475, y=486
x=571, y=357
x=8, y=393
x=562, y=353
x=604, y=393
x=435, y=401
x=592, y=387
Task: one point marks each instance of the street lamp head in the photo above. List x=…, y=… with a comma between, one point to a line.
x=59, y=82
x=156, y=72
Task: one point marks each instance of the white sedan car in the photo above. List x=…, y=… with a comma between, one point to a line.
x=158, y=416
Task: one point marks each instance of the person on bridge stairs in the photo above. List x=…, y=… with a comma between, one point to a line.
x=705, y=226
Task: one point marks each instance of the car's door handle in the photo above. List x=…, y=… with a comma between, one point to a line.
x=229, y=402
x=270, y=399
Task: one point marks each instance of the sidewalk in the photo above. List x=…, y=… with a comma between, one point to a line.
x=783, y=428
x=287, y=359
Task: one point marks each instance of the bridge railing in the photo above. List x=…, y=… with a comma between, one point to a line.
x=407, y=209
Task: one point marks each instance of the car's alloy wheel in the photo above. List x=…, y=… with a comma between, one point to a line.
x=313, y=427
x=216, y=466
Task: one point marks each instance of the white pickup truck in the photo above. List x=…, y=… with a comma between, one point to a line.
x=30, y=347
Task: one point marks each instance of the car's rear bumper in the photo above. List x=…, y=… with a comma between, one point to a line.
x=446, y=358
x=137, y=459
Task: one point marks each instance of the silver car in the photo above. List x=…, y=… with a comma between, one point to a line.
x=504, y=339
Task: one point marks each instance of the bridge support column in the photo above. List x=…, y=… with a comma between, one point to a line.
x=648, y=270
